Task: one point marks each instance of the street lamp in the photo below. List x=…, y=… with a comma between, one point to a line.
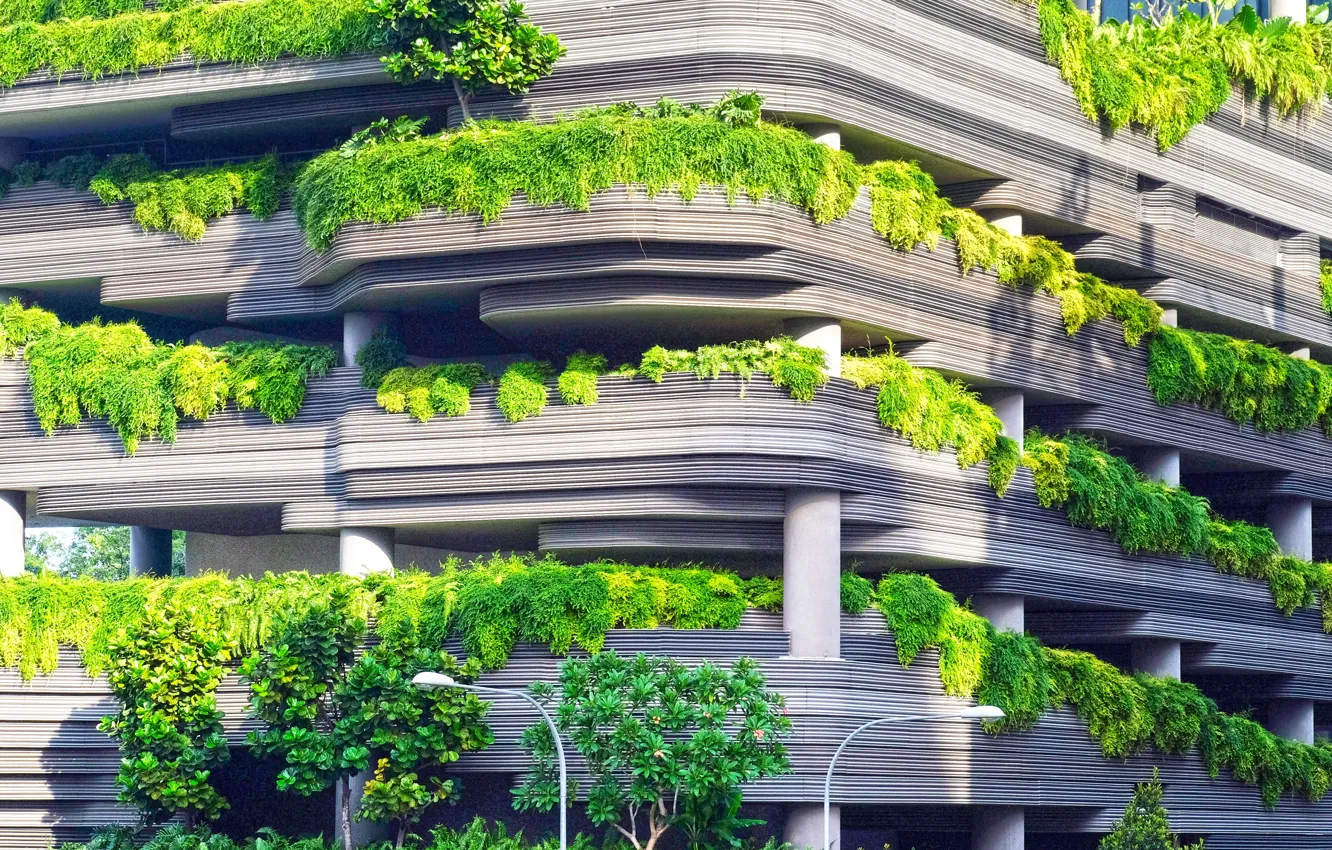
x=977, y=712
x=431, y=681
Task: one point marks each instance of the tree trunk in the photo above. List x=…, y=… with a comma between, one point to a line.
x=344, y=812
x=464, y=100
x=402, y=833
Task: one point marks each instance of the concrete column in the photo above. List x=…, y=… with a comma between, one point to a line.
x=362, y=551
x=357, y=329
x=1004, y=219
x=1292, y=718
x=804, y=826
x=998, y=828
x=1005, y=611
x=1296, y=10
x=1170, y=317
x=1291, y=521
x=812, y=572
x=13, y=517
x=1298, y=350
x=12, y=151
x=364, y=832
x=819, y=333
x=1010, y=406
x=1159, y=464
x=1156, y=657
x=825, y=134
x=150, y=551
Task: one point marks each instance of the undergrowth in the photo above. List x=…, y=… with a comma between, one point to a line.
x=143, y=388
x=237, y=31
x=1127, y=714
x=1169, y=77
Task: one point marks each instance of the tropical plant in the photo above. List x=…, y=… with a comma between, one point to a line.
x=666, y=745
x=470, y=43
x=1145, y=824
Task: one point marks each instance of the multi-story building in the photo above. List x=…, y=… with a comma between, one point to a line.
x=1224, y=230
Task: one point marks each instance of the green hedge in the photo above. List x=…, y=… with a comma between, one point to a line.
x=1126, y=714
x=142, y=387
x=43, y=11
x=1246, y=381
x=1170, y=77
x=237, y=31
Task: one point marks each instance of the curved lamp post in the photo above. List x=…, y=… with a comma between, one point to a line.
x=431, y=681
x=978, y=712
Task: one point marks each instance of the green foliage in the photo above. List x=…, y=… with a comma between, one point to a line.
x=480, y=168
x=1248, y=382
x=98, y=553
x=932, y=412
x=178, y=837
x=165, y=675
x=665, y=745
x=405, y=731
x=1325, y=283
x=381, y=355
x=471, y=43
x=1171, y=75
x=424, y=391
x=801, y=369
x=578, y=381
x=1145, y=824
x=522, y=389
x=142, y=387
x=857, y=592
x=239, y=31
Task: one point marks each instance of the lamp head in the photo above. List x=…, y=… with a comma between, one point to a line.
x=982, y=712
x=428, y=681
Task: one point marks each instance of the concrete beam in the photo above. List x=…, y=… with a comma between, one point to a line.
x=998, y=828
x=362, y=551
x=812, y=571
x=817, y=332
x=13, y=517
x=150, y=551
x=1005, y=611
x=1156, y=657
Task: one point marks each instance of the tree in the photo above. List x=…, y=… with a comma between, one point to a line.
x=42, y=552
x=471, y=43
x=291, y=684
x=406, y=731
x=1145, y=824
x=165, y=675
x=665, y=745
x=98, y=553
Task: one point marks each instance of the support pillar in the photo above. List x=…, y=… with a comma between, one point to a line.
x=825, y=134
x=1010, y=406
x=150, y=551
x=1292, y=718
x=357, y=330
x=812, y=572
x=12, y=151
x=1298, y=350
x=1004, y=219
x=1170, y=317
x=1159, y=464
x=364, y=832
x=362, y=551
x=1156, y=657
x=804, y=826
x=998, y=828
x=1296, y=10
x=817, y=332
x=1291, y=521
x=13, y=517
x=1005, y=611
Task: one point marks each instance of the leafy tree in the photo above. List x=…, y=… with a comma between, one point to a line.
x=291, y=682
x=42, y=552
x=165, y=675
x=665, y=744
x=98, y=553
x=1145, y=824
x=471, y=43
x=406, y=732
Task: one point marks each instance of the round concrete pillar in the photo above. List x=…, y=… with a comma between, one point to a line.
x=825, y=134
x=812, y=572
x=804, y=826
x=1007, y=612
x=1291, y=521
x=12, y=151
x=1004, y=219
x=1296, y=10
x=1156, y=657
x=357, y=330
x=364, y=832
x=1298, y=350
x=1170, y=317
x=998, y=828
x=825, y=334
x=362, y=551
x=150, y=551
x=1292, y=718
x=1010, y=406
x=1159, y=464
x=13, y=517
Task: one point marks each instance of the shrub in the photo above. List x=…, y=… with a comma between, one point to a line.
x=424, y=391
x=522, y=389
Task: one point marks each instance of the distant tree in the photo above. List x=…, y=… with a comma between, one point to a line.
x=470, y=43
x=98, y=553
x=42, y=552
x=666, y=745
x=1145, y=824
